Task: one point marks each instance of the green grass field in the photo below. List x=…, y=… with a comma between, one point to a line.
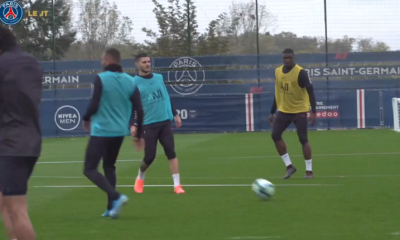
x=354, y=195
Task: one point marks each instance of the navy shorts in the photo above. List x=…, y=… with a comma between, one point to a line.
x=159, y=132
x=15, y=172
x=283, y=120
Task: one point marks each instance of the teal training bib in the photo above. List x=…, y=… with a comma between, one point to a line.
x=155, y=99
x=113, y=115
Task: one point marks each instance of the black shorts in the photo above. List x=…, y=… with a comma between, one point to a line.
x=161, y=132
x=15, y=173
x=282, y=122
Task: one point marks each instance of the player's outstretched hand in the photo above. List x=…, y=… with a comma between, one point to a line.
x=313, y=117
x=138, y=143
x=271, y=119
x=86, y=126
x=178, y=121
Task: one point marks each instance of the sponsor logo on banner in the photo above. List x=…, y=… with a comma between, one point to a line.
x=326, y=114
x=353, y=71
x=256, y=90
x=186, y=114
x=60, y=79
x=326, y=111
x=67, y=118
x=11, y=12
x=183, y=79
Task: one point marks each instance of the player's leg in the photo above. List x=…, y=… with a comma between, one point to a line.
x=282, y=121
x=301, y=123
x=14, y=178
x=167, y=141
x=109, y=160
x=5, y=215
x=92, y=160
x=17, y=207
x=150, y=149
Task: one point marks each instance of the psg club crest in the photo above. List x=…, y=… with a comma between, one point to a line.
x=186, y=78
x=11, y=12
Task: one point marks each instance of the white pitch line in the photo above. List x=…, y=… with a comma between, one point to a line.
x=246, y=157
x=200, y=185
x=64, y=162
x=272, y=177
x=265, y=237
x=316, y=155
x=81, y=154
x=67, y=162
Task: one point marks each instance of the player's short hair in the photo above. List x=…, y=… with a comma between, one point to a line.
x=140, y=55
x=7, y=39
x=114, y=54
x=288, y=50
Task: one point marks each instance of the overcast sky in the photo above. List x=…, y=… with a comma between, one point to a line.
x=379, y=19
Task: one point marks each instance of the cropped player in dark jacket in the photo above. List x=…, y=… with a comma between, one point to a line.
x=20, y=132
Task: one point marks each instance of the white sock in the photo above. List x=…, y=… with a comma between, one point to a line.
x=286, y=159
x=177, y=180
x=141, y=175
x=309, y=165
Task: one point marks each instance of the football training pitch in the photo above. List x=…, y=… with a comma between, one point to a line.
x=354, y=195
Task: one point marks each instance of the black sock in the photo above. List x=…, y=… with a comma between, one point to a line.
x=112, y=179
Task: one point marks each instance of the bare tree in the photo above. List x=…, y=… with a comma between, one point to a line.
x=36, y=33
x=240, y=25
x=369, y=45
x=100, y=26
x=241, y=18
x=177, y=29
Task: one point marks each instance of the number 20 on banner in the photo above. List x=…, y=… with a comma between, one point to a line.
x=183, y=113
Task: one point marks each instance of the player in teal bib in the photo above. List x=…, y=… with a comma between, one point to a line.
x=159, y=112
x=155, y=99
x=114, y=104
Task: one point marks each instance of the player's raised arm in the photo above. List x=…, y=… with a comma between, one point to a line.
x=305, y=82
x=273, y=110
x=94, y=103
x=174, y=112
x=137, y=116
x=137, y=119
x=178, y=121
x=177, y=118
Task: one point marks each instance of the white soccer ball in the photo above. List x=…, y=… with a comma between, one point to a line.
x=263, y=188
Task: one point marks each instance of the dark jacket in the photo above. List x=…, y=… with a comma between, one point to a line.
x=20, y=97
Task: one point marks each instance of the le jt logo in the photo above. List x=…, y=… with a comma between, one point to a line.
x=38, y=13
x=11, y=12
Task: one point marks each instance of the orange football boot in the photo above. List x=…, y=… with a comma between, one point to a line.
x=179, y=189
x=138, y=185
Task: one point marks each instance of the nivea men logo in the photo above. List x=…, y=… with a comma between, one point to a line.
x=156, y=95
x=67, y=118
